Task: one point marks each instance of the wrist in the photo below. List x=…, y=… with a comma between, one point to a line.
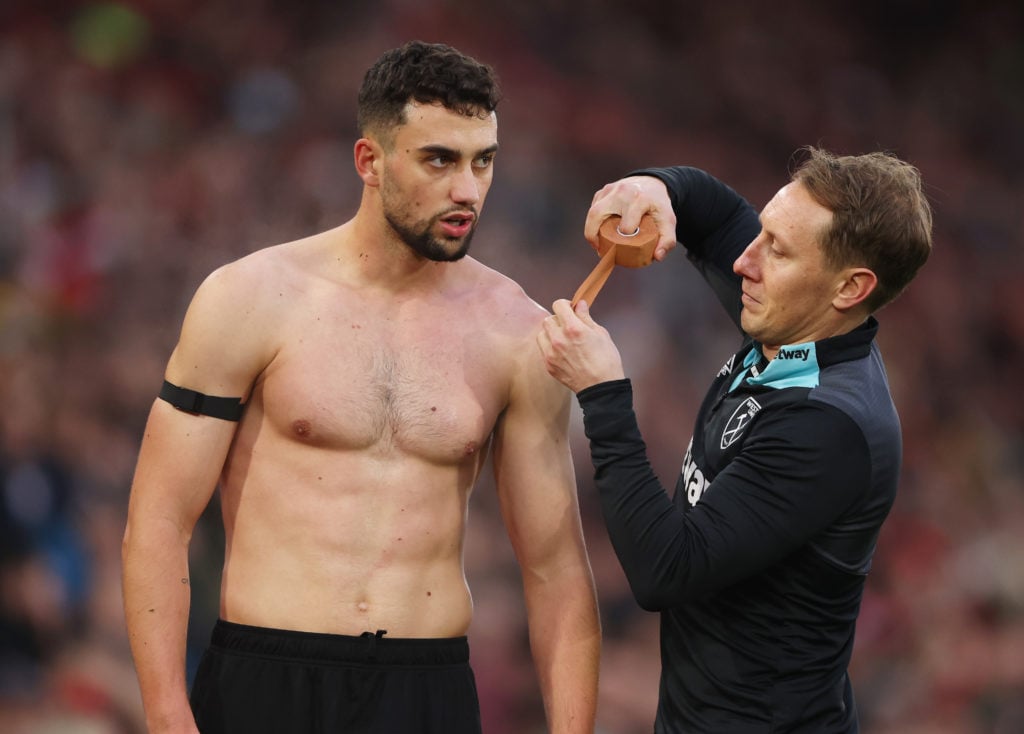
x=621, y=384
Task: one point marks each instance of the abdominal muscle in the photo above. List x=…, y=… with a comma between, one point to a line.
x=345, y=542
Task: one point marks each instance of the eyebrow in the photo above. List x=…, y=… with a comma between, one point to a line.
x=452, y=153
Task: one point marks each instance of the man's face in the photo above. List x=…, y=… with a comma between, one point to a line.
x=788, y=289
x=435, y=178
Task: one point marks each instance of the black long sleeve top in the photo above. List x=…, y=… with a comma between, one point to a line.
x=757, y=561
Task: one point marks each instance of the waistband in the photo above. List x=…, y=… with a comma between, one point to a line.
x=321, y=646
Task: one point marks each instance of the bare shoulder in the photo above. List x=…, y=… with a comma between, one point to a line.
x=513, y=319
x=254, y=277
x=507, y=301
x=230, y=331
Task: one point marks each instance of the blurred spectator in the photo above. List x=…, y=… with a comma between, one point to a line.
x=144, y=142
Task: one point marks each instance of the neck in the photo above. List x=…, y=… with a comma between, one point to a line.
x=373, y=254
x=847, y=323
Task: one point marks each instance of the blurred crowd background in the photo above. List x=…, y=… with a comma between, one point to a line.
x=145, y=142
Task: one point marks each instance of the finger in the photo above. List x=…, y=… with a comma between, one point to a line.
x=664, y=246
x=562, y=309
x=666, y=222
x=547, y=352
x=545, y=336
x=595, y=217
x=543, y=339
x=601, y=193
x=583, y=312
x=607, y=202
x=634, y=211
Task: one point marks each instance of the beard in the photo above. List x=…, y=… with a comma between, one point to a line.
x=418, y=238
x=417, y=234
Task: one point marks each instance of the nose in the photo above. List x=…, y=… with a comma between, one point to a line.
x=745, y=264
x=466, y=186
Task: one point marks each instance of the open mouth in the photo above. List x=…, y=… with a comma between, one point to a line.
x=457, y=225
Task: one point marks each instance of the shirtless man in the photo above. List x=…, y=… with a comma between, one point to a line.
x=376, y=366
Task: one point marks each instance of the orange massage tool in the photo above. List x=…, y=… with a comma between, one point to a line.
x=634, y=250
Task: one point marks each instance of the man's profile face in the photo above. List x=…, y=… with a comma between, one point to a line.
x=788, y=288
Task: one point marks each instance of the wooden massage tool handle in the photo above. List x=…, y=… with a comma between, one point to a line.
x=634, y=250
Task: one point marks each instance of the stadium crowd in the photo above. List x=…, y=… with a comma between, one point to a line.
x=145, y=142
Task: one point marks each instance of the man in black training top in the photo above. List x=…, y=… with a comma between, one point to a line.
x=758, y=562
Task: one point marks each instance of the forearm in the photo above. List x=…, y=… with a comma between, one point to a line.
x=707, y=210
x=156, y=605
x=565, y=639
x=714, y=223
x=645, y=529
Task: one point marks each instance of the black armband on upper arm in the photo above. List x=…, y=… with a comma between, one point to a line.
x=190, y=401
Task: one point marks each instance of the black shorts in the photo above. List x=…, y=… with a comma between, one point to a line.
x=253, y=680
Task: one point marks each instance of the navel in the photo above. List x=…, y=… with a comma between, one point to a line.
x=362, y=607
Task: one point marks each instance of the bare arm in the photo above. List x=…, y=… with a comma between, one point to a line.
x=537, y=490
x=179, y=464
x=177, y=471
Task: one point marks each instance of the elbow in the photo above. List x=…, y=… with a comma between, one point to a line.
x=127, y=547
x=125, y=542
x=132, y=542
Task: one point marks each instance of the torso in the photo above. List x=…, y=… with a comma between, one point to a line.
x=346, y=489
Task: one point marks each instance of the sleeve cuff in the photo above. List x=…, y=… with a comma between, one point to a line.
x=611, y=387
x=608, y=409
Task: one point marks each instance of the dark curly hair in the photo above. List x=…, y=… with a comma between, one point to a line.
x=426, y=73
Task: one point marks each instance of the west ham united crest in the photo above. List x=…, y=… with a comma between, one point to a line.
x=738, y=421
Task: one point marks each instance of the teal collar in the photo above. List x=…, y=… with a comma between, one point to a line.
x=796, y=365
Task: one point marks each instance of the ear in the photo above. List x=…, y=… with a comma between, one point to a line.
x=856, y=285
x=368, y=159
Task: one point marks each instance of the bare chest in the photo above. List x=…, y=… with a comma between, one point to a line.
x=424, y=384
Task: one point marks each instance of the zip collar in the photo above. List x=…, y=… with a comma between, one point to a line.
x=799, y=365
